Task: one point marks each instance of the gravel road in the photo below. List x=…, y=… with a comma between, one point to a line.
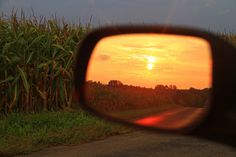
x=141, y=144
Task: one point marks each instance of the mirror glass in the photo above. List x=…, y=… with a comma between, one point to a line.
x=154, y=80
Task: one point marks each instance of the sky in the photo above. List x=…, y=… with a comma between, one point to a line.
x=146, y=60
x=214, y=15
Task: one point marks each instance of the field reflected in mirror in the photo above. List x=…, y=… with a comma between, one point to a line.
x=154, y=80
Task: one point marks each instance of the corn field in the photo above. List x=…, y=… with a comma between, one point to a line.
x=36, y=60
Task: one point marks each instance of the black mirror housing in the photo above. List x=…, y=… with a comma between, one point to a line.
x=219, y=124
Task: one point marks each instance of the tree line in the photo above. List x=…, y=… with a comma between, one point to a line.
x=116, y=96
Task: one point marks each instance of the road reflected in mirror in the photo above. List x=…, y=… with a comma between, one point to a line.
x=154, y=80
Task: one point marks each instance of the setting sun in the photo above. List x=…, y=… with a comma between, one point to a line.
x=150, y=66
x=150, y=59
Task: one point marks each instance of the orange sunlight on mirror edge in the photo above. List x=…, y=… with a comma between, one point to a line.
x=149, y=59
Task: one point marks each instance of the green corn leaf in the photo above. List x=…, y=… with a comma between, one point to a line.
x=44, y=64
x=14, y=59
x=61, y=89
x=24, y=79
x=5, y=58
x=69, y=62
x=58, y=71
x=60, y=56
x=59, y=47
x=7, y=46
x=16, y=78
x=43, y=94
x=36, y=40
x=20, y=35
x=16, y=95
x=8, y=79
x=22, y=41
x=30, y=57
x=32, y=30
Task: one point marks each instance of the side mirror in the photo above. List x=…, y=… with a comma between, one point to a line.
x=169, y=79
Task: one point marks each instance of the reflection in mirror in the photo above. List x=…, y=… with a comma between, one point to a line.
x=154, y=80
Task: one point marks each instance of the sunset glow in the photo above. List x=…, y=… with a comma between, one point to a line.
x=150, y=59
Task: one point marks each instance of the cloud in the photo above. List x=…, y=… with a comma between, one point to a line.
x=103, y=57
x=142, y=46
x=210, y=3
x=224, y=12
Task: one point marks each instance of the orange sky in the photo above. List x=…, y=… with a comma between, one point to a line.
x=150, y=59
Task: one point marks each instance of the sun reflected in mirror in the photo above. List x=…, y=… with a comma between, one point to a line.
x=150, y=66
x=151, y=61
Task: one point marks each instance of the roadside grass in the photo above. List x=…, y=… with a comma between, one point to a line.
x=22, y=133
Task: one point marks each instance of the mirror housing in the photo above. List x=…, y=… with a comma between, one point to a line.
x=219, y=124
